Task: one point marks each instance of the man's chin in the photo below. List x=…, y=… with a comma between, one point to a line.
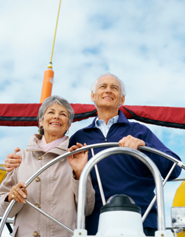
x=107, y=105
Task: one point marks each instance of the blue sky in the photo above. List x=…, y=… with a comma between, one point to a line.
x=142, y=42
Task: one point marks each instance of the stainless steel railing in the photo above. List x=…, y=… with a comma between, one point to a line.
x=42, y=169
x=128, y=151
x=123, y=150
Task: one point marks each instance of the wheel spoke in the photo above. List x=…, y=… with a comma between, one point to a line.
x=50, y=217
x=99, y=181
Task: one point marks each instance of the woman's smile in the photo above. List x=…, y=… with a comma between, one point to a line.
x=55, y=124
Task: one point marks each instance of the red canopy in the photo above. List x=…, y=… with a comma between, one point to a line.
x=26, y=114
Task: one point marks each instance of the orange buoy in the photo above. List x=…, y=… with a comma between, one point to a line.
x=47, y=83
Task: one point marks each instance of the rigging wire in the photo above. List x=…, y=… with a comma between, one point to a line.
x=50, y=63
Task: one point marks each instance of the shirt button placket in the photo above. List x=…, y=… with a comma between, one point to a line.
x=37, y=205
x=39, y=158
x=37, y=179
x=35, y=233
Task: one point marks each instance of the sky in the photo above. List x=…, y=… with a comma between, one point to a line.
x=141, y=42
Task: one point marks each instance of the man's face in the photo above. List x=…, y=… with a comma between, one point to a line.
x=108, y=93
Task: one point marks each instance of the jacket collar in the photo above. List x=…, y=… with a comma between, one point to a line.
x=121, y=119
x=33, y=145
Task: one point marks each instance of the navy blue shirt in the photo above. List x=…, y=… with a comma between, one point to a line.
x=124, y=174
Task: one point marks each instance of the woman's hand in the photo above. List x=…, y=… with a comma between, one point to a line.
x=78, y=160
x=18, y=193
x=12, y=160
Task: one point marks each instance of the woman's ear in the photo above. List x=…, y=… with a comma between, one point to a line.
x=40, y=122
x=41, y=129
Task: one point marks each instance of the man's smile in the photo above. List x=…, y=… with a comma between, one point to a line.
x=107, y=98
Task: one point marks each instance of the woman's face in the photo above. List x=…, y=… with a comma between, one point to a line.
x=55, y=121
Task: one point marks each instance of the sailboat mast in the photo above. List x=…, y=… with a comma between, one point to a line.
x=49, y=73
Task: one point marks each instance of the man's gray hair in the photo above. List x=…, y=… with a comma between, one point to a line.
x=123, y=91
x=56, y=99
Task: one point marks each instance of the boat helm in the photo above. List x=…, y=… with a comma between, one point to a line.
x=120, y=217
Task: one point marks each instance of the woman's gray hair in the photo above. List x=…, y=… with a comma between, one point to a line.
x=123, y=91
x=56, y=99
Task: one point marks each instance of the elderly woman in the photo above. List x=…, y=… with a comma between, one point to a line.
x=55, y=190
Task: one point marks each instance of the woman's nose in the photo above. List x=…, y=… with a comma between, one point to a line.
x=56, y=115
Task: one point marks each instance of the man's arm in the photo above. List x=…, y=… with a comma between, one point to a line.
x=150, y=140
x=13, y=160
x=131, y=142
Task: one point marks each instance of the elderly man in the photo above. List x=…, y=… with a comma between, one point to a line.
x=120, y=174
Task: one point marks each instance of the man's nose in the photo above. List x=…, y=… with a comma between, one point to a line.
x=108, y=89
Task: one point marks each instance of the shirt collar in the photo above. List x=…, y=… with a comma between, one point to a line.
x=111, y=121
x=121, y=119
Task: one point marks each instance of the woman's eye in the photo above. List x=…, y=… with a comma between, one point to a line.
x=50, y=112
x=62, y=114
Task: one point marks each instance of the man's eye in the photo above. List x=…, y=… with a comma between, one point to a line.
x=115, y=87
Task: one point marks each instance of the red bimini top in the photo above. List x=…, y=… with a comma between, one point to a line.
x=26, y=114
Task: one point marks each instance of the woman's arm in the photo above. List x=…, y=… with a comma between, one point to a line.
x=77, y=162
x=18, y=192
x=6, y=192
x=90, y=195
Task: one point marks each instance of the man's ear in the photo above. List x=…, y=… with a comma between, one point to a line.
x=92, y=96
x=40, y=122
x=122, y=100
